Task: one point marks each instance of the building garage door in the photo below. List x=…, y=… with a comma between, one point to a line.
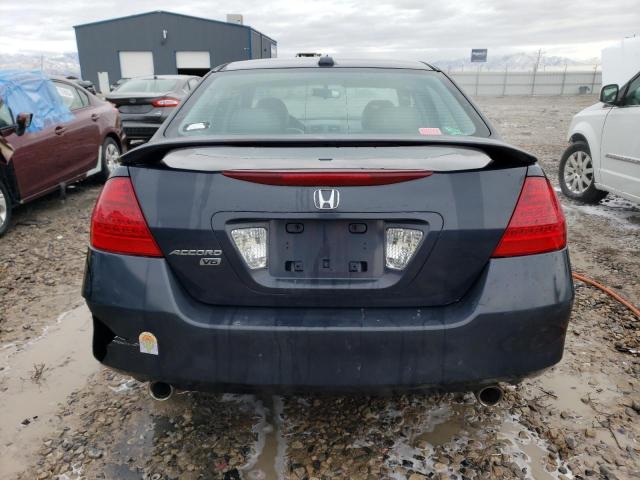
x=136, y=64
x=193, y=63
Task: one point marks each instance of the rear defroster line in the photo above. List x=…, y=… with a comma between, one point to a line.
x=635, y=310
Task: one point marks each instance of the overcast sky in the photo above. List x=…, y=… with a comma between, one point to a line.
x=400, y=28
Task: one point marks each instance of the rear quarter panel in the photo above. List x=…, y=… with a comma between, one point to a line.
x=110, y=122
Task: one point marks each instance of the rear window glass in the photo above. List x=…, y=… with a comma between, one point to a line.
x=338, y=101
x=148, y=85
x=70, y=96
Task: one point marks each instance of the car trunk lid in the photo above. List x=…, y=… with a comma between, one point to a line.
x=135, y=102
x=327, y=257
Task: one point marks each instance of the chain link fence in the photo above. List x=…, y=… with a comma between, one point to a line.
x=493, y=83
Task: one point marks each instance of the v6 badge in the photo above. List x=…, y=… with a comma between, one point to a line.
x=210, y=262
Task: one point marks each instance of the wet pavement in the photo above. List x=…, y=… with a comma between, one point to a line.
x=35, y=378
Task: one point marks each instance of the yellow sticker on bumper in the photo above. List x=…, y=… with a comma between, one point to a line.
x=148, y=343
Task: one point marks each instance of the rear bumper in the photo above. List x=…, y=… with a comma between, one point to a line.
x=510, y=325
x=136, y=130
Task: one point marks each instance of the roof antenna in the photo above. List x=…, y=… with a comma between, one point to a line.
x=326, y=61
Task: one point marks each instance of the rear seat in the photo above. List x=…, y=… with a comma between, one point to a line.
x=381, y=116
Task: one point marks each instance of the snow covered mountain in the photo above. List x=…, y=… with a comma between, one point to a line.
x=52, y=63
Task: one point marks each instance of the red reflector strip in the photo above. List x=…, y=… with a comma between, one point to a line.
x=117, y=222
x=327, y=179
x=537, y=224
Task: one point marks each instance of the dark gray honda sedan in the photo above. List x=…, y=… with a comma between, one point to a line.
x=324, y=224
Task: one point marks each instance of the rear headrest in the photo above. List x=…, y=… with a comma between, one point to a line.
x=275, y=105
x=255, y=121
x=390, y=119
x=370, y=110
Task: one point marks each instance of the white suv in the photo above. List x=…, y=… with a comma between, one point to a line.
x=604, y=155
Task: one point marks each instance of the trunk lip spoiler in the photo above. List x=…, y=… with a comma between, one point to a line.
x=153, y=152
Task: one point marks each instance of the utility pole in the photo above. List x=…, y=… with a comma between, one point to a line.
x=564, y=79
x=504, y=80
x=593, y=82
x=535, y=71
x=478, y=78
x=538, y=59
x=42, y=62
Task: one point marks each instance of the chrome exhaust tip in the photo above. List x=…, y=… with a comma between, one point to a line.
x=160, y=391
x=489, y=396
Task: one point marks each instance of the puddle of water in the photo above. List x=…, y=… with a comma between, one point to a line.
x=65, y=351
x=571, y=389
x=444, y=432
x=440, y=426
x=530, y=453
x=447, y=426
x=268, y=462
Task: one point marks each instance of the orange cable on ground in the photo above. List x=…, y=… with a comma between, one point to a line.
x=608, y=291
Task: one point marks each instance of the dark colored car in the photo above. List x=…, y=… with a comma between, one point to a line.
x=117, y=84
x=61, y=153
x=317, y=224
x=146, y=102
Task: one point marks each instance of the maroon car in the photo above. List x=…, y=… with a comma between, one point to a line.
x=60, y=153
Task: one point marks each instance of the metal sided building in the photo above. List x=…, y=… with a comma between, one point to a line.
x=164, y=43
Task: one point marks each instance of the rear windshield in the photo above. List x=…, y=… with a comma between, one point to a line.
x=151, y=85
x=328, y=102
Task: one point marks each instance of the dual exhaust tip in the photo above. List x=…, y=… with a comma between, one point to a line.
x=488, y=396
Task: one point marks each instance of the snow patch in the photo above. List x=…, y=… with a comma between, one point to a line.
x=615, y=209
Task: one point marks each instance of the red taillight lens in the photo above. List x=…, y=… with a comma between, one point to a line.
x=537, y=224
x=117, y=223
x=165, y=102
x=326, y=179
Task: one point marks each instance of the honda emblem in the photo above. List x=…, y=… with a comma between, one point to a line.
x=326, y=199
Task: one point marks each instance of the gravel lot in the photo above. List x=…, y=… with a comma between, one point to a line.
x=64, y=417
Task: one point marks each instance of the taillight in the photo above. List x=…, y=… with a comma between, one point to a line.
x=347, y=178
x=117, y=223
x=537, y=224
x=165, y=102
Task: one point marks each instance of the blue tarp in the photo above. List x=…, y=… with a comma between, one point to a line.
x=33, y=92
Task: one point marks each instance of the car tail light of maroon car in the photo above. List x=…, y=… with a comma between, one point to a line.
x=117, y=222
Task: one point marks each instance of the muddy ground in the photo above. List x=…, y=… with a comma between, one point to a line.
x=62, y=416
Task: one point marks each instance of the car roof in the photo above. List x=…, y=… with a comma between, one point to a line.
x=60, y=78
x=170, y=77
x=312, y=62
